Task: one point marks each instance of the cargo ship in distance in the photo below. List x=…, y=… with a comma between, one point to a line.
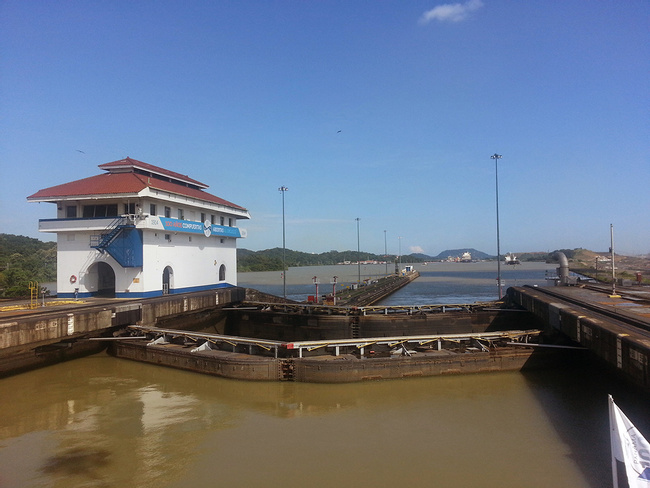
x=511, y=259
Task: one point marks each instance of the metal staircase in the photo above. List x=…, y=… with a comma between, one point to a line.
x=118, y=241
x=113, y=229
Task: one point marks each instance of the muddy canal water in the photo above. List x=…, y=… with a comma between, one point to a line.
x=105, y=422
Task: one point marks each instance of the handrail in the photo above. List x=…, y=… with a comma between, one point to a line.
x=114, y=228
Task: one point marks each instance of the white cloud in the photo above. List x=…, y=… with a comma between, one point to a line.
x=451, y=12
x=416, y=249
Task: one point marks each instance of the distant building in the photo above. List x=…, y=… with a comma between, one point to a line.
x=141, y=231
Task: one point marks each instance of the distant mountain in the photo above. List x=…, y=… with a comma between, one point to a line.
x=271, y=259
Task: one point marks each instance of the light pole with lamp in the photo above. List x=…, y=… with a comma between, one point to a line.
x=496, y=158
x=358, y=254
x=611, y=249
x=385, y=253
x=283, y=189
x=399, y=255
x=316, y=282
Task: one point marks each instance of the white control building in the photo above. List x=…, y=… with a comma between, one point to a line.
x=141, y=231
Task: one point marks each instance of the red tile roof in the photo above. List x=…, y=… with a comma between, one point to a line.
x=134, y=163
x=127, y=183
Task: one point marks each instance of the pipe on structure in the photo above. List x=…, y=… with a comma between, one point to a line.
x=563, y=270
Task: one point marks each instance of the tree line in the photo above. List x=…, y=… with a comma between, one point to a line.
x=24, y=259
x=272, y=259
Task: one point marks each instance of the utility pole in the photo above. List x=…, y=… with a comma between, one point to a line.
x=283, y=189
x=496, y=158
x=386, y=253
x=358, y=254
x=611, y=233
x=399, y=254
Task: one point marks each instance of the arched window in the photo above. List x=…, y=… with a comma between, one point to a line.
x=222, y=272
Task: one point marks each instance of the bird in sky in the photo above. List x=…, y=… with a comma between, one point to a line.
x=79, y=150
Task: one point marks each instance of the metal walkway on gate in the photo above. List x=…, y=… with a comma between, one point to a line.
x=483, y=339
x=305, y=308
x=203, y=341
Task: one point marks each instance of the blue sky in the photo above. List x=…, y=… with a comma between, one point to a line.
x=387, y=111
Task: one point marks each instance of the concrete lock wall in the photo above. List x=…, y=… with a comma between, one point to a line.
x=30, y=332
x=602, y=336
x=33, y=342
x=167, y=307
x=28, y=342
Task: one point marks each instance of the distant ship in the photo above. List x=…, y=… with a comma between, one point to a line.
x=466, y=258
x=511, y=259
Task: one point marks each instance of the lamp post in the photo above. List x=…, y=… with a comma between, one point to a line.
x=358, y=254
x=283, y=189
x=496, y=158
x=316, y=282
x=399, y=255
x=611, y=235
x=385, y=253
x=334, y=288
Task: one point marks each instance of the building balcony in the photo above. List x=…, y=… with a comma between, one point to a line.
x=74, y=225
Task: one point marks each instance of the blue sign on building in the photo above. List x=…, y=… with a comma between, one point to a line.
x=206, y=228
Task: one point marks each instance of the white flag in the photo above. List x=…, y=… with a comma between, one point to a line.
x=628, y=447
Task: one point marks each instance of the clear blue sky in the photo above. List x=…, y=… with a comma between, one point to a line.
x=383, y=110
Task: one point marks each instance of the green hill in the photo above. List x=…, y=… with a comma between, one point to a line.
x=24, y=259
x=271, y=259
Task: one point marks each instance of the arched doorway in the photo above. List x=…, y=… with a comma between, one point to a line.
x=222, y=272
x=167, y=280
x=105, y=280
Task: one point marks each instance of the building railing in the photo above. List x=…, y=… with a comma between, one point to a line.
x=102, y=241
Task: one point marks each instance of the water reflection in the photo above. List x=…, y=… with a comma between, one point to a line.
x=575, y=402
x=77, y=462
x=100, y=421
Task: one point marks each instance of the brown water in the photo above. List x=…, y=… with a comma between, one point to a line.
x=106, y=422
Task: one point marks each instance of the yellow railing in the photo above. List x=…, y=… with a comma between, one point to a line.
x=33, y=294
